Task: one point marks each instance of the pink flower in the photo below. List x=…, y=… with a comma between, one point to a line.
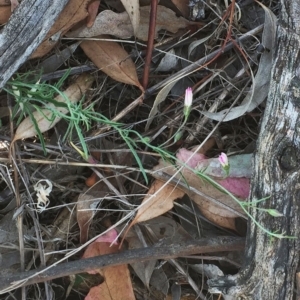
x=223, y=159
x=188, y=101
x=188, y=97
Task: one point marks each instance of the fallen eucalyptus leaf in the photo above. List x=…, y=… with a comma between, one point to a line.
x=113, y=60
x=158, y=201
x=45, y=118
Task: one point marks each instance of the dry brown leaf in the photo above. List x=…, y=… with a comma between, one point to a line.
x=220, y=212
x=133, y=9
x=43, y=118
x=213, y=213
x=109, y=22
x=5, y=14
x=157, y=203
x=113, y=60
x=117, y=284
x=74, y=11
x=92, y=11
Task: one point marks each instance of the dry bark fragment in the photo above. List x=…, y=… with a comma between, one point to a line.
x=24, y=31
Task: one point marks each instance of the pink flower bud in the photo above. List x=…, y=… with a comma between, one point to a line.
x=188, y=97
x=188, y=102
x=223, y=159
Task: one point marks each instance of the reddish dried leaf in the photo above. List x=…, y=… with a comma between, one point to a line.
x=109, y=237
x=113, y=60
x=74, y=11
x=190, y=158
x=237, y=186
x=101, y=247
x=184, y=154
x=92, y=11
x=240, y=165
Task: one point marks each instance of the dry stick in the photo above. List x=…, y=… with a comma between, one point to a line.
x=201, y=61
x=205, y=245
x=150, y=43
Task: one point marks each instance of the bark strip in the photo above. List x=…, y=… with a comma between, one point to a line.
x=24, y=32
x=270, y=264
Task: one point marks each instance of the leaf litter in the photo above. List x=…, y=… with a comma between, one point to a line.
x=117, y=120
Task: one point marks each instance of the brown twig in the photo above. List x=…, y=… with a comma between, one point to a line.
x=150, y=43
x=205, y=245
